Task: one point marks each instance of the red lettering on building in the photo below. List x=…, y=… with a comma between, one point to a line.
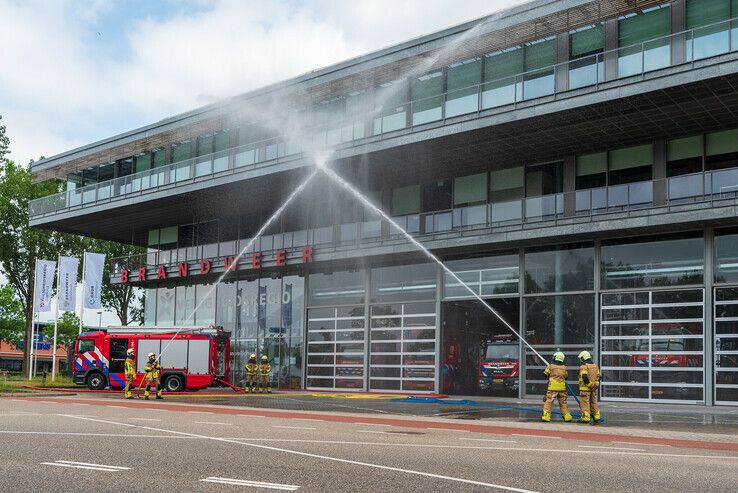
x=161, y=273
x=124, y=276
x=142, y=273
x=307, y=255
x=281, y=257
x=256, y=260
x=229, y=264
x=183, y=269
x=204, y=267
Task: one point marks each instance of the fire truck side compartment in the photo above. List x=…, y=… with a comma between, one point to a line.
x=175, y=355
x=199, y=355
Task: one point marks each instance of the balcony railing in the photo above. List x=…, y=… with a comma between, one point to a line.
x=588, y=205
x=480, y=99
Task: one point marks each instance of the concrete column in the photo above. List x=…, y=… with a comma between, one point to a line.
x=709, y=346
x=562, y=55
x=570, y=182
x=439, y=325
x=678, y=24
x=611, y=43
x=659, y=172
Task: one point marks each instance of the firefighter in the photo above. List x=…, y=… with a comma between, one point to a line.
x=264, y=370
x=152, y=369
x=589, y=380
x=557, y=375
x=252, y=367
x=130, y=372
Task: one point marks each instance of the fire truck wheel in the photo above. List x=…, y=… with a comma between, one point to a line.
x=96, y=381
x=174, y=383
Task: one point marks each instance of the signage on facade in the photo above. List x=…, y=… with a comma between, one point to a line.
x=184, y=269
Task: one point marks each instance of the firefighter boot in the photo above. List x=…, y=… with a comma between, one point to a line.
x=567, y=417
x=158, y=391
x=585, y=417
x=597, y=418
x=146, y=395
x=546, y=417
x=269, y=389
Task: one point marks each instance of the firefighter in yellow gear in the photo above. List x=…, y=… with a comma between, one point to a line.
x=264, y=371
x=130, y=372
x=557, y=375
x=252, y=368
x=151, y=370
x=589, y=381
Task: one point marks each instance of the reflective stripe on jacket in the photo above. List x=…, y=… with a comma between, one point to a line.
x=557, y=375
x=593, y=371
x=251, y=368
x=130, y=369
x=152, y=370
x=265, y=369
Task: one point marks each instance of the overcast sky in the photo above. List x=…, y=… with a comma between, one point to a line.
x=73, y=72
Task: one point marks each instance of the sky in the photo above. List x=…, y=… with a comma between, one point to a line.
x=76, y=71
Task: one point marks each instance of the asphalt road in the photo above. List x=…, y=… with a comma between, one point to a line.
x=87, y=444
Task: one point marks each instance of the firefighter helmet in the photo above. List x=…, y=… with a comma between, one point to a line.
x=584, y=356
x=253, y=356
x=559, y=357
x=129, y=352
x=152, y=355
x=264, y=359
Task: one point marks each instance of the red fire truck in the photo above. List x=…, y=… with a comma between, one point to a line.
x=191, y=358
x=499, y=364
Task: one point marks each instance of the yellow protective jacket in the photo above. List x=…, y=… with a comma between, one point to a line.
x=593, y=372
x=152, y=369
x=557, y=375
x=265, y=369
x=251, y=368
x=130, y=368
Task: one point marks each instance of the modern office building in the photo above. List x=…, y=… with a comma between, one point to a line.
x=574, y=161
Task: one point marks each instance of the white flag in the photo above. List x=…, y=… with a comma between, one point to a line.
x=92, y=280
x=67, y=288
x=45, y=270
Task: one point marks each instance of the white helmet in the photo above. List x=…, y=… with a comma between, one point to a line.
x=152, y=355
x=129, y=352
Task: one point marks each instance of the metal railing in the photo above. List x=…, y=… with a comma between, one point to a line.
x=589, y=71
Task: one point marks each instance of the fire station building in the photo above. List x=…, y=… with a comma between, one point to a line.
x=574, y=161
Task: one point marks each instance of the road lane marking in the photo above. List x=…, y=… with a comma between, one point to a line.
x=533, y=436
x=117, y=407
x=448, y=429
x=643, y=444
x=611, y=448
x=318, y=456
x=307, y=419
x=252, y=484
x=487, y=440
x=199, y=412
x=212, y=423
x=86, y=465
x=144, y=419
x=293, y=427
x=371, y=424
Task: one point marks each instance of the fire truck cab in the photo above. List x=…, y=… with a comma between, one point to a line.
x=191, y=358
x=499, y=364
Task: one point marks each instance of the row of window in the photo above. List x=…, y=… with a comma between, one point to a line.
x=463, y=87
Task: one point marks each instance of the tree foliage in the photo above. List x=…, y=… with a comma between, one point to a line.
x=12, y=318
x=67, y=328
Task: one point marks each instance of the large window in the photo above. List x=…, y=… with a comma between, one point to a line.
x=564, y=268
x=710, y=33
x=405, y=200
x=540, y=57
x=630, y=164
x=390, y=101
x=644, y=40
x=426, y=96
x=502, y=84
x=586, y=65
x=462, y=82
x=486, y=276
x=336, y=288
x=591, y=171
x=542, y=184
x=437, y=196
x=181, y=153
x=404, y=283
x=470, y=189
x=722, y=151
x=633, y=263
x=726, y=345
x=507, y=187
x=726, y=256
x=336, y=349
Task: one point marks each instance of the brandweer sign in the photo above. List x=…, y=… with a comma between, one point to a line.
x=229, y=264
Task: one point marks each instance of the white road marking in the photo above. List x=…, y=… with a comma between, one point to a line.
x=371, y=424
x=79, y=404
x=199, y=412
x=487, y=440
x=252, y=484
x=293, y=427
x=86, y=465
x=144, y=419
x=533, y=436
x=307, y=419
x=644, y=444
x=323, y=457
x=611, y=448
x=448, y=429
x=117, y=407
x=20, y=413
x=212, y=423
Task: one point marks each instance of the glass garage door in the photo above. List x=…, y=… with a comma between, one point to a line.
x=335, y=348
x=652, y=345
x=403, y=347
x=726, y=345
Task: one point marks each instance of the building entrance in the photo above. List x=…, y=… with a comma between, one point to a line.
x=480, y=356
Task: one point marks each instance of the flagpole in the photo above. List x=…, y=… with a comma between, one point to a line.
x=82, y=304
x=56, y=317
x=33, y=323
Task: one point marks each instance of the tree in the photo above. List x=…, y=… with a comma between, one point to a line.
x=67, y=328
x=20, y=245
x=12, y=322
